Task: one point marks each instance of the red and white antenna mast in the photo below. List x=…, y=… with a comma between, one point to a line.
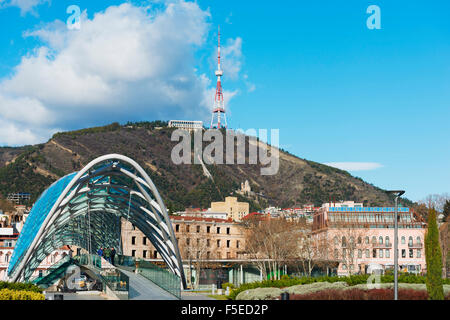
x=219, y=106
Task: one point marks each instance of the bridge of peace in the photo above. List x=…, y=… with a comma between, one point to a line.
x=84, y=210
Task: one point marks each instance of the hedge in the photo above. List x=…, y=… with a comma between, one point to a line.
x=18, y=286
x=8, y=294
x=350, y=280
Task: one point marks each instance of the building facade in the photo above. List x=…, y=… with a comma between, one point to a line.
x=361, y=238
x=235, y=210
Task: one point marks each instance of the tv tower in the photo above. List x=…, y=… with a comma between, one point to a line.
x=219, y=107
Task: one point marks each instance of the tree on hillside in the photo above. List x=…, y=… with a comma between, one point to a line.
x=6, y=206
x=433, y=259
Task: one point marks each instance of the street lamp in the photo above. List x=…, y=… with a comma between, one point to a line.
x=397, y=194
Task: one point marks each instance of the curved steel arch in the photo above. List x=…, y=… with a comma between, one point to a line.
x=84, y=208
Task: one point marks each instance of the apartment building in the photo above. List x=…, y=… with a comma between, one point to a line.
x=361, y=238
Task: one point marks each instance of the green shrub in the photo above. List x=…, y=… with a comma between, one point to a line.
x=227, y=284
x=8, y=294
x=350, y=280
x=18, y=286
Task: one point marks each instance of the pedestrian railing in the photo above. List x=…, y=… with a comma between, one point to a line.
x=159, y=276
x=89, y=259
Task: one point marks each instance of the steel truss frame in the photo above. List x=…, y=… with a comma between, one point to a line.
x=87, y=213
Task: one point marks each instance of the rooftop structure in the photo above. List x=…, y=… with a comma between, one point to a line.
x=186, y=124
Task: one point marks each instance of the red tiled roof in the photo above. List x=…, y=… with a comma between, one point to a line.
x=253, y=214
x=187, y=218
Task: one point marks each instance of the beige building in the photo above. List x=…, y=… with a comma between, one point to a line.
x=198, y=238
x=235, y=210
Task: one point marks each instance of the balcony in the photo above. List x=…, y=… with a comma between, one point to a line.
x=382, y=245
x=415, y=245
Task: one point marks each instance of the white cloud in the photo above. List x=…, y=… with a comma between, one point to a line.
x=126, y=63
x=231, y=57
x=355, y=166
x=25, y=5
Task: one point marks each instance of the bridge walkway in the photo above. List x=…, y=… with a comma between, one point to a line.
x=141, y=288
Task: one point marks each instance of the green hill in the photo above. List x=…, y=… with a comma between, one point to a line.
x=299, y=181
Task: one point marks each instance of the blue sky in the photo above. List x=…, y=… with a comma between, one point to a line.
x=338, y=92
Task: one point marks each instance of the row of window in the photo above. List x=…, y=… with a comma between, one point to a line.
x=376, y=253
x=188, y=242
x=154, y=254
x=218, y=243
x=380, y=240
x=198, y=229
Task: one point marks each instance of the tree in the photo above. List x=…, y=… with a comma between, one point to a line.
x=273, y=243
x=446, y=210
x=434, y=259
x=196, y=250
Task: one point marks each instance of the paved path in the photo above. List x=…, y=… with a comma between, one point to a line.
x=143, y=289
x=186, y=295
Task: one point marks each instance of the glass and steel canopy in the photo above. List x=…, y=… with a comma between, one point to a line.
x=84, y=209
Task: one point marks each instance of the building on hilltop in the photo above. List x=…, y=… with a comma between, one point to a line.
x=186, y=124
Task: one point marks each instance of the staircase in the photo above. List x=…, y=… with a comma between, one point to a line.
x=54, y=273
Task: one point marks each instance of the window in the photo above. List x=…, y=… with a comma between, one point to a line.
x=387, y=241
x=237, y=244
x=388, y=253
x=410, y=241
x=374, y=253
x=187, y=228
x=336, y=240
x=228, y=243
x=144, y=254
x=133, y=253
x=344, y=242
x=218, y=229
x=208, y=242
x=419, y=253
x=155, y=254
x=177, y=228
x=344, y=267
x=411, y=253
x=198, y=229
x=208, y=255
x=352, y=240
x=188, y=241
x=219, y=255
x=359, y=253
x=336, y=254
x=144, y=240
x=7, y=258
x=208, y=229
x=133, y=240
x=380, y=240
x=403, y=253
x=367, y=253
x=218, y=243
x=367, y=240
x=344, y=253
x=380, y=254
x=374, y=240
x=359, y=240
x=228, y=255
x=403, y=240
x=228, y=230
x=418, y=240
